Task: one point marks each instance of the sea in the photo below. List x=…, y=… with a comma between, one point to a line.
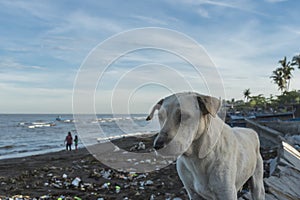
x=30, y=134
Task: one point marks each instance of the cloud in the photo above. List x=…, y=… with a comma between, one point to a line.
x=202, y=12
x=198, y=6
x=275, y=1
x=150, y=20
x=7, y=63
x=49, y=40
x=80, y=22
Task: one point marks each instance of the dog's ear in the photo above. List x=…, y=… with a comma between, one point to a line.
x=156, y=107
x=209, y=104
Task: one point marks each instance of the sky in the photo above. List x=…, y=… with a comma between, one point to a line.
x=45, y=44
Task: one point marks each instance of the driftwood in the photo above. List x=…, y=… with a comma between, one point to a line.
x=283, y=178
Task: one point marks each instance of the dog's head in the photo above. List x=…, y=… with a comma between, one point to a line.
x=183, y=117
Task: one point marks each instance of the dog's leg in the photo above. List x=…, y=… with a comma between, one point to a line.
x=187, y=179
x=256, y=181
x=185, y=176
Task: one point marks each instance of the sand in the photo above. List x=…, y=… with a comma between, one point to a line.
x=50, y=176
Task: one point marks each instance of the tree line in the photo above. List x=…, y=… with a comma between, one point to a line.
x=281, y=76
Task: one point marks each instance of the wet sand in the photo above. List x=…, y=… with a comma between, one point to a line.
x=52, y=175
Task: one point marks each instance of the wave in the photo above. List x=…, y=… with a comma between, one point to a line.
x=40, y=124
x=7, y=147
x=107, y=139
x=114, y=119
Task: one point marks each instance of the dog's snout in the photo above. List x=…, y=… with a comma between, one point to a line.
x=158, y=144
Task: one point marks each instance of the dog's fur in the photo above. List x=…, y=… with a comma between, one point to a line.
x=219, y=159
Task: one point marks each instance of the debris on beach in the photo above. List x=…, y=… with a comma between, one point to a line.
x=281, y=163
x=138, y=146
x=78, y=176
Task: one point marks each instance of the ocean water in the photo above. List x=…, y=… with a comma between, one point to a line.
x=30, y=134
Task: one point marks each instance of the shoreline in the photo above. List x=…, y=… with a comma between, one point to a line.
x=52, y=175
x=81, y=145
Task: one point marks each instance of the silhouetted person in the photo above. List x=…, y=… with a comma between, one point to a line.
x=69, y=141
x=76, y=142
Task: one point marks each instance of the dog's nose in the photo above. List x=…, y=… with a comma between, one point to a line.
x=158, y=145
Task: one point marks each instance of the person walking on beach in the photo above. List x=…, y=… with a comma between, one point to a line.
x=69, y=141
x=76, y=142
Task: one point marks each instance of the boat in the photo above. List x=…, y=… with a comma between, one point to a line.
x=58, y=118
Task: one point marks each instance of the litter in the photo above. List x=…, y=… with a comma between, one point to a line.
x=141, y=176
x=149, y=182
x=106, y=185
x=76, y=182
x=118, y=188
x=106, y=174
x=65, y=176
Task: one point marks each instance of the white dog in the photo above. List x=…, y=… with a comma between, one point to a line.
x=218, y=159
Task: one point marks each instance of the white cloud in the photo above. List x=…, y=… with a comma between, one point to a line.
x=202, y=12
x=275, y=1
x=150, y=20
x=80, y=23
x=244, y=43
x=243, y=5
x=7, y=63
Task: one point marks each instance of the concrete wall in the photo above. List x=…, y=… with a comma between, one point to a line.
x=285, y=127
x=268, y=137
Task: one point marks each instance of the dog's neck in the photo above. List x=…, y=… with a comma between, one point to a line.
x=209, y=131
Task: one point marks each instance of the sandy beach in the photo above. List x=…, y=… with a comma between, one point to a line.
x=78, y=175
x=53, y=176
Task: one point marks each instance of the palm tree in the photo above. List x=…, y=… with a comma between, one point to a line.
x=247, y=94
x=287, y=72
x=278, y=79
x=282, y=75
x=296, y=60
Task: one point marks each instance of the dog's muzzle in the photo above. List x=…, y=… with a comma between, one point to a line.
x=158, y=144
